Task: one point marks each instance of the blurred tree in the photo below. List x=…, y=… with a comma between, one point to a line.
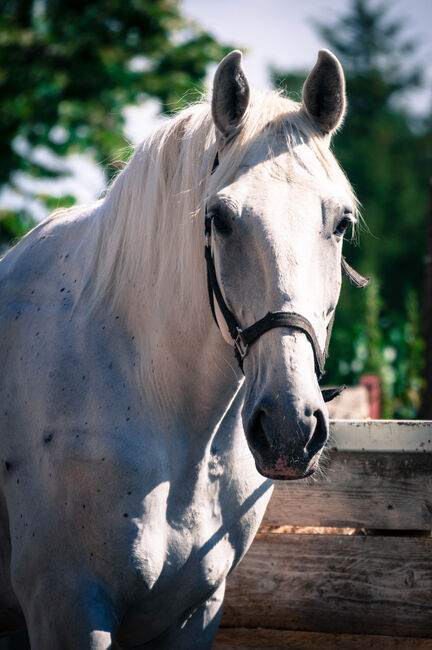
x=386, y=152
x=12, y=228
x=68, y=68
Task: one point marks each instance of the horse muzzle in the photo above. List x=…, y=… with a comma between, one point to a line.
x=286, y=439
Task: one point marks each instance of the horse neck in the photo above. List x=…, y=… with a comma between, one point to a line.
x=188, y=372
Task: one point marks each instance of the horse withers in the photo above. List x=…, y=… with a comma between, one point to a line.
x=136, y=463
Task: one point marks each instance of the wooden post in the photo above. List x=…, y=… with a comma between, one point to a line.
x=425, y=412
x=372, y=383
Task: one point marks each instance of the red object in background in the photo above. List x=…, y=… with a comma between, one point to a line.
x=372, y=383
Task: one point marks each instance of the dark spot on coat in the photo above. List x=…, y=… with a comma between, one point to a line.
x=62, y=289
x=48, y=437
x=8, y=466
x=125, y=514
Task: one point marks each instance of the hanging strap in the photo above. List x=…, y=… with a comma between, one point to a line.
x=330, y=393
x=355, y=278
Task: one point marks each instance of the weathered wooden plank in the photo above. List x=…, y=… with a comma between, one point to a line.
x=334, y=583
x=260, y=639
x=359, y=490
x=381, y=435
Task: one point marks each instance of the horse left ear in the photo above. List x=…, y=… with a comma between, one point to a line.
x=230, y=95
x=324, y=93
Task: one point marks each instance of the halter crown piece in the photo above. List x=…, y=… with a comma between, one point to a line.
x=244, y=338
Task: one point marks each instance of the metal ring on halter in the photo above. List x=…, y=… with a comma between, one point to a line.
x=240, y=345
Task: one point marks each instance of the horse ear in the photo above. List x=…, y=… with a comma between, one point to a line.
x=230, y=95
x=324, y=92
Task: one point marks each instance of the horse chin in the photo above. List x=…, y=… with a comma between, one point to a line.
x=282, y=470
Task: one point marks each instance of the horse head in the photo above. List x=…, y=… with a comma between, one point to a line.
x=277, y=209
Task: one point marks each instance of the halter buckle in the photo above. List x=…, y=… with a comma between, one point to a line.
x=240, y=345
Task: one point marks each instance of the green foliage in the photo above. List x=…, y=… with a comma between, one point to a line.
x=12, y=227
x=386, y=153
x=57, y=203
x=389, y=346
x=68, y=68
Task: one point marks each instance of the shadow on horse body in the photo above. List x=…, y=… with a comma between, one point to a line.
x=129, y=442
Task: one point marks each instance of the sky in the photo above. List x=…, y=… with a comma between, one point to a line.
x=276, y=33
x=281, y=32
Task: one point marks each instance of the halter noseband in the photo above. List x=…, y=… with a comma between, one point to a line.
x=244, y=338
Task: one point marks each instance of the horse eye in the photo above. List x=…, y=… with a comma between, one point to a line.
x=220, y=222
x=342, y=226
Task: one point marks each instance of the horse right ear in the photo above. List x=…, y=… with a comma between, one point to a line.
x=324, y=93
x=230, y=95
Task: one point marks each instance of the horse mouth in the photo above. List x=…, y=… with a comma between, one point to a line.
x=281, y=470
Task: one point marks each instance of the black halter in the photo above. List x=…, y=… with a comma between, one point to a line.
x=244, y=338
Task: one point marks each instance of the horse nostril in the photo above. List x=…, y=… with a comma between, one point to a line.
x=256, y=433
x=319, y=436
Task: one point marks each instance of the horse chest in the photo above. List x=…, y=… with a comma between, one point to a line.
x=202, y=528
x=199, y=536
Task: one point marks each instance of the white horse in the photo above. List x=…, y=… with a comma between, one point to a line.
x=128, y=486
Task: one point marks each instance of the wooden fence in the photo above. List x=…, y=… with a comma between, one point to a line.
x=344, y=560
